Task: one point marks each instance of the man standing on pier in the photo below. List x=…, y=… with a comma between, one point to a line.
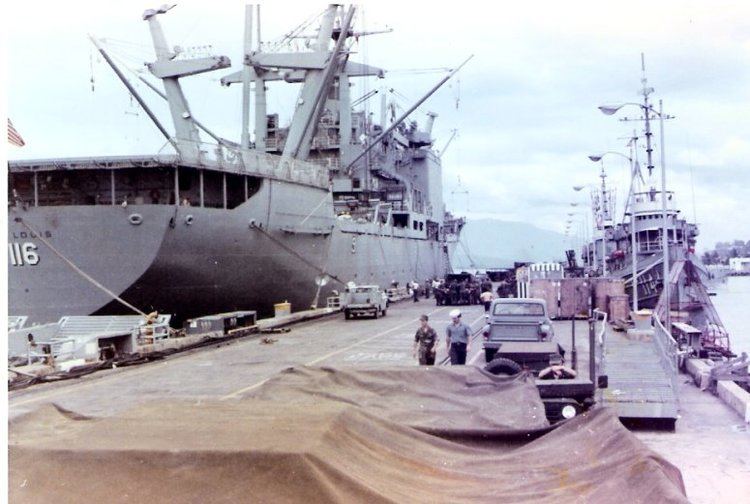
x=415, y=290
x=486, y=297
x=425, y=341
x=457, y=339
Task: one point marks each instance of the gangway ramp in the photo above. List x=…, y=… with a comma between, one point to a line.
x=642, y=378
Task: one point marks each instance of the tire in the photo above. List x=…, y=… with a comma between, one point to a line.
x=347, y=315
x=384, y=311
x=503, y=366
x=375, y=315
x=489, y=354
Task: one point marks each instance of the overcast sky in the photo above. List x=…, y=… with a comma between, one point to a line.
x=525, y=107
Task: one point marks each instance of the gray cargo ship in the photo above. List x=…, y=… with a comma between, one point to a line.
x=292, y=215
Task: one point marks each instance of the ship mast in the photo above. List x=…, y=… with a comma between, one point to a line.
x=646, y=91
x=169, y=69
x=317, y=70
x=311, y=101
x=246, y=78
x=261, y=121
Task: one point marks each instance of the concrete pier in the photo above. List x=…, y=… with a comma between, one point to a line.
x=710, y=443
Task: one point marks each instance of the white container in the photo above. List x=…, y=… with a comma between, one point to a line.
x=67, y=365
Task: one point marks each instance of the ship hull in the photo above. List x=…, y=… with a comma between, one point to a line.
x=191, y=261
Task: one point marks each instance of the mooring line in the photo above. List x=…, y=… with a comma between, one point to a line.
x=78, y=270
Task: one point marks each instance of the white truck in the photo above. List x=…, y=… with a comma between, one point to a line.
x=362, y=300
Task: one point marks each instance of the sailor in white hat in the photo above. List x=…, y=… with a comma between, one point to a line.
x=458, y=338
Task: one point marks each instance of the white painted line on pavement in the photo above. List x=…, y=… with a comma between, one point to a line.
x=331, y=354
x=474, y=359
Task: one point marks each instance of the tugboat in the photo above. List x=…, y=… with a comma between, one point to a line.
x=634, y=250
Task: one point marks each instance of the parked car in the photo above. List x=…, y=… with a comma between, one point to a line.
x=362, y=300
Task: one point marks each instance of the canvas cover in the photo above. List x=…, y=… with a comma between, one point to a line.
x=450, y=401
x=270, y=450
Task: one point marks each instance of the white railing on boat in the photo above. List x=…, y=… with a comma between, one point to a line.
x=669, y=351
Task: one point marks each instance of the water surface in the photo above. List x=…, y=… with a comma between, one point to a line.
x=732, y=301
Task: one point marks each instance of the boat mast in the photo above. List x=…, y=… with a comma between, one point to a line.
x=318, y=82
x=406, y=114
x=645, y=91
x=169, y=70
x=261, y=121
x=317, y=70
x=246, y=78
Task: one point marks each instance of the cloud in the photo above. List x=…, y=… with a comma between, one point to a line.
x=526, y=111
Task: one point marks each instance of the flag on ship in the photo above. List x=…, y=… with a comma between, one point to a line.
x=13, y=137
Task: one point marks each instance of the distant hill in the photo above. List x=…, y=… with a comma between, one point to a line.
x=496, y=243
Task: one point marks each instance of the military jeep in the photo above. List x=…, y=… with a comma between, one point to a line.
x=519, y=330
x=519, y=337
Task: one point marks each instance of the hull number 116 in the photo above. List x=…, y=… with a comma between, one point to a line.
x=21, y=254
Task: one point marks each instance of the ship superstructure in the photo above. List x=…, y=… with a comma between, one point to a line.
x=645, y=217
x=653, y=231
x=292, y=214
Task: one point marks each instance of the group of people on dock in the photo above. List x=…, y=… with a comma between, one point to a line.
x=457, y=340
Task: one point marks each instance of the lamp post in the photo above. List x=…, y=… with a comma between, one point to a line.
x=648, y=110
x=604, y=233
x=592, y=238
x=665, y=227
x=633, y=240
x=587, y=235
x=581, y=220
x=576, y=234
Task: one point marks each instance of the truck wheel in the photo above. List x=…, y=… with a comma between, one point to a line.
x=503, y=366
x=347, y=314
x=384, y=311
x=489, y=354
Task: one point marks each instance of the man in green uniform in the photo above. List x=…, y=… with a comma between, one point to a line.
x=424, y=342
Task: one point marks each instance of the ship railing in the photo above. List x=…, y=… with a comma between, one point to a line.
x=329, y=163
x=669, y=351
x=60, y=349
x=150, y=333
x=333, y=302
x=261, y=164
x=649, y=246
x=601, y=336
x=44, y=351
x=655, y=245
x=598, y=365
x=325, y=141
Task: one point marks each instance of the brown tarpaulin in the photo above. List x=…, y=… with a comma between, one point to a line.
x=260, y=450
x=460, y=401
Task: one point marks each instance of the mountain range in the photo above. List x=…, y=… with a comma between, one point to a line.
x=495, y=243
